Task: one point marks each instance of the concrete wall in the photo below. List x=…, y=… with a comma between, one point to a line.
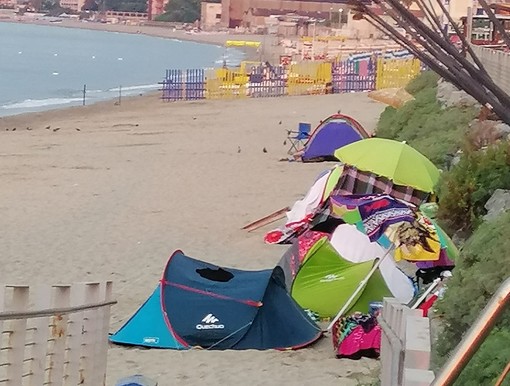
x=497, y=64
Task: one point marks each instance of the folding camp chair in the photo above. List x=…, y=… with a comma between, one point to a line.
x=298, y=138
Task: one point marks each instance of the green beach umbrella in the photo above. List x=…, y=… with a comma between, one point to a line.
x=391, y=159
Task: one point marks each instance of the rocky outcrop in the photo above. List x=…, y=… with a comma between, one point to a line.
x=448, y=96
x=483, y=133
x=497, y=204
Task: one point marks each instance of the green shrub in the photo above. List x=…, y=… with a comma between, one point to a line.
x=427, y=79
x=423, y=124
x=464, y=190
x=483, y=265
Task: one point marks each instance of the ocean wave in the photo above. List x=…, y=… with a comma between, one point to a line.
x=37, y=103
x=136, y=88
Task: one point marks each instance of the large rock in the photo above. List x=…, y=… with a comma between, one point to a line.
x=497, y=204
x=448, y=96
x=503, y=128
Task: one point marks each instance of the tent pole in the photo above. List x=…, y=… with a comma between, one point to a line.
x=426, y=293
x=360, y=287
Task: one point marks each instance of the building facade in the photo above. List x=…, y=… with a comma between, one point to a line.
x=210, y=15
x=75, y=5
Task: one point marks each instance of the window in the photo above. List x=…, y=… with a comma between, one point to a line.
x=481, y=23
x=218, y=16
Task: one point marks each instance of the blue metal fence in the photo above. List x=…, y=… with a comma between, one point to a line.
x=352, y=75
x=183, y=85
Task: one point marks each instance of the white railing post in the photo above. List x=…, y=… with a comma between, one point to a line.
x=74, y=337
x=40, y=337
x=405, y=346
x=63, y=341
x=89, y=331
x=102, y=355
x=58, y=327
x=17, y=333
x=3, y=360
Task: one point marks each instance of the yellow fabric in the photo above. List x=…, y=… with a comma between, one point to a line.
x=333, y=178
x=410, y=239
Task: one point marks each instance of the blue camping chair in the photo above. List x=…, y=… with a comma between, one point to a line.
x=298, y=138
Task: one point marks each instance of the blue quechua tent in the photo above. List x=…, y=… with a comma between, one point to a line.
x=333, y=133
x=200, y=304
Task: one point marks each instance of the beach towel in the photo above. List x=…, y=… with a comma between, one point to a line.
x=354, y=181
x=298, y=217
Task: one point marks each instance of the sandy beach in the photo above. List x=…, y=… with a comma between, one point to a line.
x=108, y=192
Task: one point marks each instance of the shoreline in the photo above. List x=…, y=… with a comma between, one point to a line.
x=217, y=39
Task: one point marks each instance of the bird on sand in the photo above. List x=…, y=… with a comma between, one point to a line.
x=77, y=129
x=48, y=127
x=13, y=129
x=56, y=129
x=280, y=122
x=239, y=149
x=28, y=128
x=264, y=150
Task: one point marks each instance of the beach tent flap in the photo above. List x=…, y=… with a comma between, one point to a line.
x=333, y=133
x=147, y=327
x=322, y=280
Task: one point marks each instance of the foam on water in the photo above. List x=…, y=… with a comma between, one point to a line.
x=38, y=103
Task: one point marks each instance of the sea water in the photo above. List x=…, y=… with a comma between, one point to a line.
x=46, y=67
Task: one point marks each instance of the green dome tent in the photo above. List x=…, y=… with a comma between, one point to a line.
x=322, y=281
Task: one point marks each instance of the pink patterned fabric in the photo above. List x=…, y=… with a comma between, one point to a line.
x=359, y=340
x=306, y=241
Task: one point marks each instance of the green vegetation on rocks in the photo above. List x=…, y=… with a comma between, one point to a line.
x=483, y=266
x=463, y=190
x=432, y=130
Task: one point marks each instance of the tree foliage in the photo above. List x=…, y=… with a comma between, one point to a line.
x=127, y=5
x=184, y=11
x=464, y=190
x=483, y=265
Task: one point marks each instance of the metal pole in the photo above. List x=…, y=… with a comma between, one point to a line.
x=474, y=337
x=84, y=92
x=360, y=287
x=469, y=25
x=313, y=40
x=503, y=375
x=120, y=94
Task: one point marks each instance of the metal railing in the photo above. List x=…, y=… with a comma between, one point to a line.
x=474, y=337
